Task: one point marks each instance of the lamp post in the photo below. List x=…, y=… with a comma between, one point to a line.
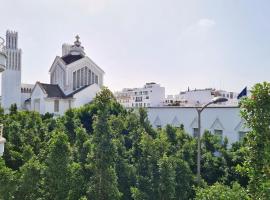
x=199, y=111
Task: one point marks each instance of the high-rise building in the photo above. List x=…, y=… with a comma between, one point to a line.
x=11, y=77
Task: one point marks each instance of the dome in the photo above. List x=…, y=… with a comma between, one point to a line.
x=77, y=49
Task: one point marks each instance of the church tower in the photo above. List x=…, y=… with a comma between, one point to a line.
x=11, y=77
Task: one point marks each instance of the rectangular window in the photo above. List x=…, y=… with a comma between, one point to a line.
x=85, y=76
x=69, y=104
x=219, y=133
x=74, y=80
x=56, y=105
x=89, y=77
x=37, y=105
x=93, y=78
x=195, y=132
x=78, y=78
x=82, y=76
x=96, y=79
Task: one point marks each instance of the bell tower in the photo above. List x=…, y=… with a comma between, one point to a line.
x=11, y=77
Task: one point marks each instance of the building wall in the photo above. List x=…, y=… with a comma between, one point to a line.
x=38, y=95
x=11, y=77
x=148, y=96
x=226, y=118
x=84, y=62
x=49, y=104
x=85, y=96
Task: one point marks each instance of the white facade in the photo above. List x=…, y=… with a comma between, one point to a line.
x=40, y=102
x=75, y=81
x=219, y=120
x=151, y=94
x=11, y=77
x=74, y=70
x=200, y=97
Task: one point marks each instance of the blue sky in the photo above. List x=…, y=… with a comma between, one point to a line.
x=223, y=44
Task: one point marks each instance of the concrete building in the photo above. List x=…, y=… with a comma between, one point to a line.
x=11, y=77
x=200, y=97
x=151, y=94
x=222, y=120
x=74, y=80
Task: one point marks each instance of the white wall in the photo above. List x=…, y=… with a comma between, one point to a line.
x=229, y=117
x=11, y=88
x=49, y=106
x=85, y=96
x=38, y=94
x=84, y=62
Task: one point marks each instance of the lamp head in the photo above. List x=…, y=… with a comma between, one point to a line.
x=219, y=100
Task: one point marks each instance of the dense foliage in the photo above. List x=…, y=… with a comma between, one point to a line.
x=102, y=151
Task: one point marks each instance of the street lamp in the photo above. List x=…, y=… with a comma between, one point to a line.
x=2, y=140
x=199, y=111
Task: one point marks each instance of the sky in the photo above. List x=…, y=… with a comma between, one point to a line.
x=222, y=44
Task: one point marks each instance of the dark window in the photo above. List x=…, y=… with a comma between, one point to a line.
x=195, y=132
x=74, y=80
x=56, y=105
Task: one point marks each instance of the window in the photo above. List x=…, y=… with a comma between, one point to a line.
x=89, y=77
x=147, y=97
x=78, y=78
x=219, y=134
x=195, y=132
x=69, y=104
x=37, y=105
x=82, y=76
x=93, y=78
x=138, y=99
x=241, y=135
x=85, y=76
x=74, y=80
x=56, y=105
x=96, y=79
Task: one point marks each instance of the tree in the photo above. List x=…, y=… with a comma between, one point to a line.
x=222, y=192
x=256, y=112
x=167, y=183
x=103, y=183
x=7, y=181
x=29, y=186
x=57, y=174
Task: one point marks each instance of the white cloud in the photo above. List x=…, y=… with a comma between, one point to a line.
x=206, y=23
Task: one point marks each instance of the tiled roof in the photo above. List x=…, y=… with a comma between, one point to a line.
x=71, y=58
x=52, y=90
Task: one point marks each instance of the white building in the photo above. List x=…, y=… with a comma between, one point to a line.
x=74, y=80
x=200, y=97
x=151, y=94
x=11, y=77
x=222, y=120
